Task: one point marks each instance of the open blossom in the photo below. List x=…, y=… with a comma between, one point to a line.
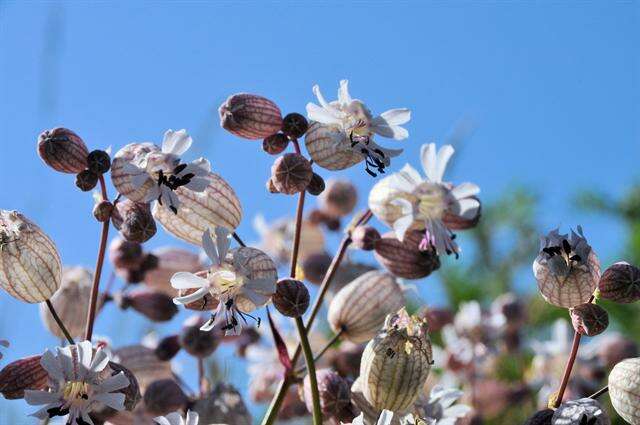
x=407, y=201
x=229, y=283
x=384, y=419
x=76, y=384
x=176, y=418
x=439, y=409
x=353, y=118
x=168, y=172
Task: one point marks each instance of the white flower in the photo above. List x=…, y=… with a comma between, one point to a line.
x=228, y=283
x=167, y=171
x=354, y=118
x=439, y=409
x=430, y=198
x=76, y=385
x=176, y=418
x=5, y=344
x=384, y=419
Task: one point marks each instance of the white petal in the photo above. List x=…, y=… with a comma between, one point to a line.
x=457, y=411
x=112, y=383
x=385, y=417
x=396, y=116
x=199, y=167
x=405, y=180
x=428, y=158
x=176, y=142
x=209, y=247
x=264, y=286
x=321, y=115
x=85, y=354
x=51, y=364
x=465, y=190
x=192, y=418
x=391, y=131
x=466, y=208
x=36, y=398
x=449, y=396
x=198, y=184
x=186, y=280
x=223, y=240
x=100, y=361
x=162, y=420
x=401, y=225
x=343, y=92
x=191, y=297
x=444, y=154
x=113, y=400
x=358, y=420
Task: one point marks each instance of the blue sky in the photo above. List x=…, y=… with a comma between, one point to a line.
x=551, y=89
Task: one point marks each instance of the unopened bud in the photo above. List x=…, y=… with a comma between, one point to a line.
x=124, y=254
x=339, y=198
x=134, y=221
x=250, y=116
x=99, y=161
x=102, y=211
x=294, y=125
x=155, y=306
x=196, y=342
x=86, y=180
x=275, y=144
x=163, y=397
x=168, y=347
x=315, y=267
x=291, y=173
x=405, y=259
x=63, y=150
x=132, y=391
x=21, y=375
x=365, y=237
x=291, y=297
x=316, y=185
x=589, y=319
x=620, y=283
x=335, y=393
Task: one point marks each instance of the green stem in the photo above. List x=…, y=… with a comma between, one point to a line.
x=61, y=325
x=313, y=381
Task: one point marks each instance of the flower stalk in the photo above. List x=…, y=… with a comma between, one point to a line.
x=63, y=328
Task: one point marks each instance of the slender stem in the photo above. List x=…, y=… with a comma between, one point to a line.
x=59, y=322
x=201, y=378
x=296, y=239
x=313, y=381
x=237, y=238
x=329, y=344
x=91, y=313
x=598, y=393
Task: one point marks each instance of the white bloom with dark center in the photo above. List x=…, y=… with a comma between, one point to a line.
x=167, y=171
x=423, y=202
x=176, y=418
x=4, y=343
x=354, y=118
x=229, y=283
x=76, y=384
x=440, y=408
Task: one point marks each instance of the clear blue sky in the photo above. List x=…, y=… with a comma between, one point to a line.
x=551, y=87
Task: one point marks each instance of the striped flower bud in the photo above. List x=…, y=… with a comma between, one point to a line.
x=620, y=283
x=335, y=393
x=339, y=198
x=275, y=144
x=196, y=342
x=360, y=308
x=21, y=375
x=144, y=364
x=250, y=116
x=163, y=397
x=405, y=259
x=365, y=237
x=291, y=173
x=155, y=306
x=330, y=147
x=581, y=411
x=216, y=206
x=315, y=266
x=223, y=405
x=132, y=391
x=294, y=125
x=102, y=211
x=30, y=267
x=70, y=302
x=121, y=174
x=170, y=261
x=396, y=363
x=134, y=220
x=291, y=297
x=624, y=389
x=589, y=319
x=566, y=269
x=63, y=150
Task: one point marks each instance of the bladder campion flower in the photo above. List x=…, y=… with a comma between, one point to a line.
x=165, y=169
x=357, y=124
x=76, y=384
x=407, y=201
x=230, y=282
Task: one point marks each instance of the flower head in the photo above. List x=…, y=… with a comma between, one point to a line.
x=176, y=418
x=356, y=121
x=229, y=282
x=77, y=385
x=439, y=409
x=168, y=172
x=410, y=201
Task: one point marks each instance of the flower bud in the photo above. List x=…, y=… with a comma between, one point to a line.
x=589, y=319
x=291, y=297
x=20, y=375
x=70, y=302
x=123, y=179
x=396, y=363
x=275, y=144
x=315, y=266
x=99, y=161
x=291, y=173
x=335, y=393
x=294, y=125
x=144, y=364
x=250, y=116
x=223, y=405
x=365, y=237
x=102, y=211
x=271, y=187
x=168, y=347
x=541, y=417
x=360, y=308
x=169, y=262
x=624, y=389
x=155, y=306
x=196, y=342
x=405, y=259
x=86, y=180
x=163, y=397
x=339, y=198
x=584, y=410
x=620, y=283
x=316, y=185
x=132, y=391
x=217, y=205
x=134, y=221
x=63, y=150
x=124, y=254
x=30, y=267
x=566, y=269
x=330, y=147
